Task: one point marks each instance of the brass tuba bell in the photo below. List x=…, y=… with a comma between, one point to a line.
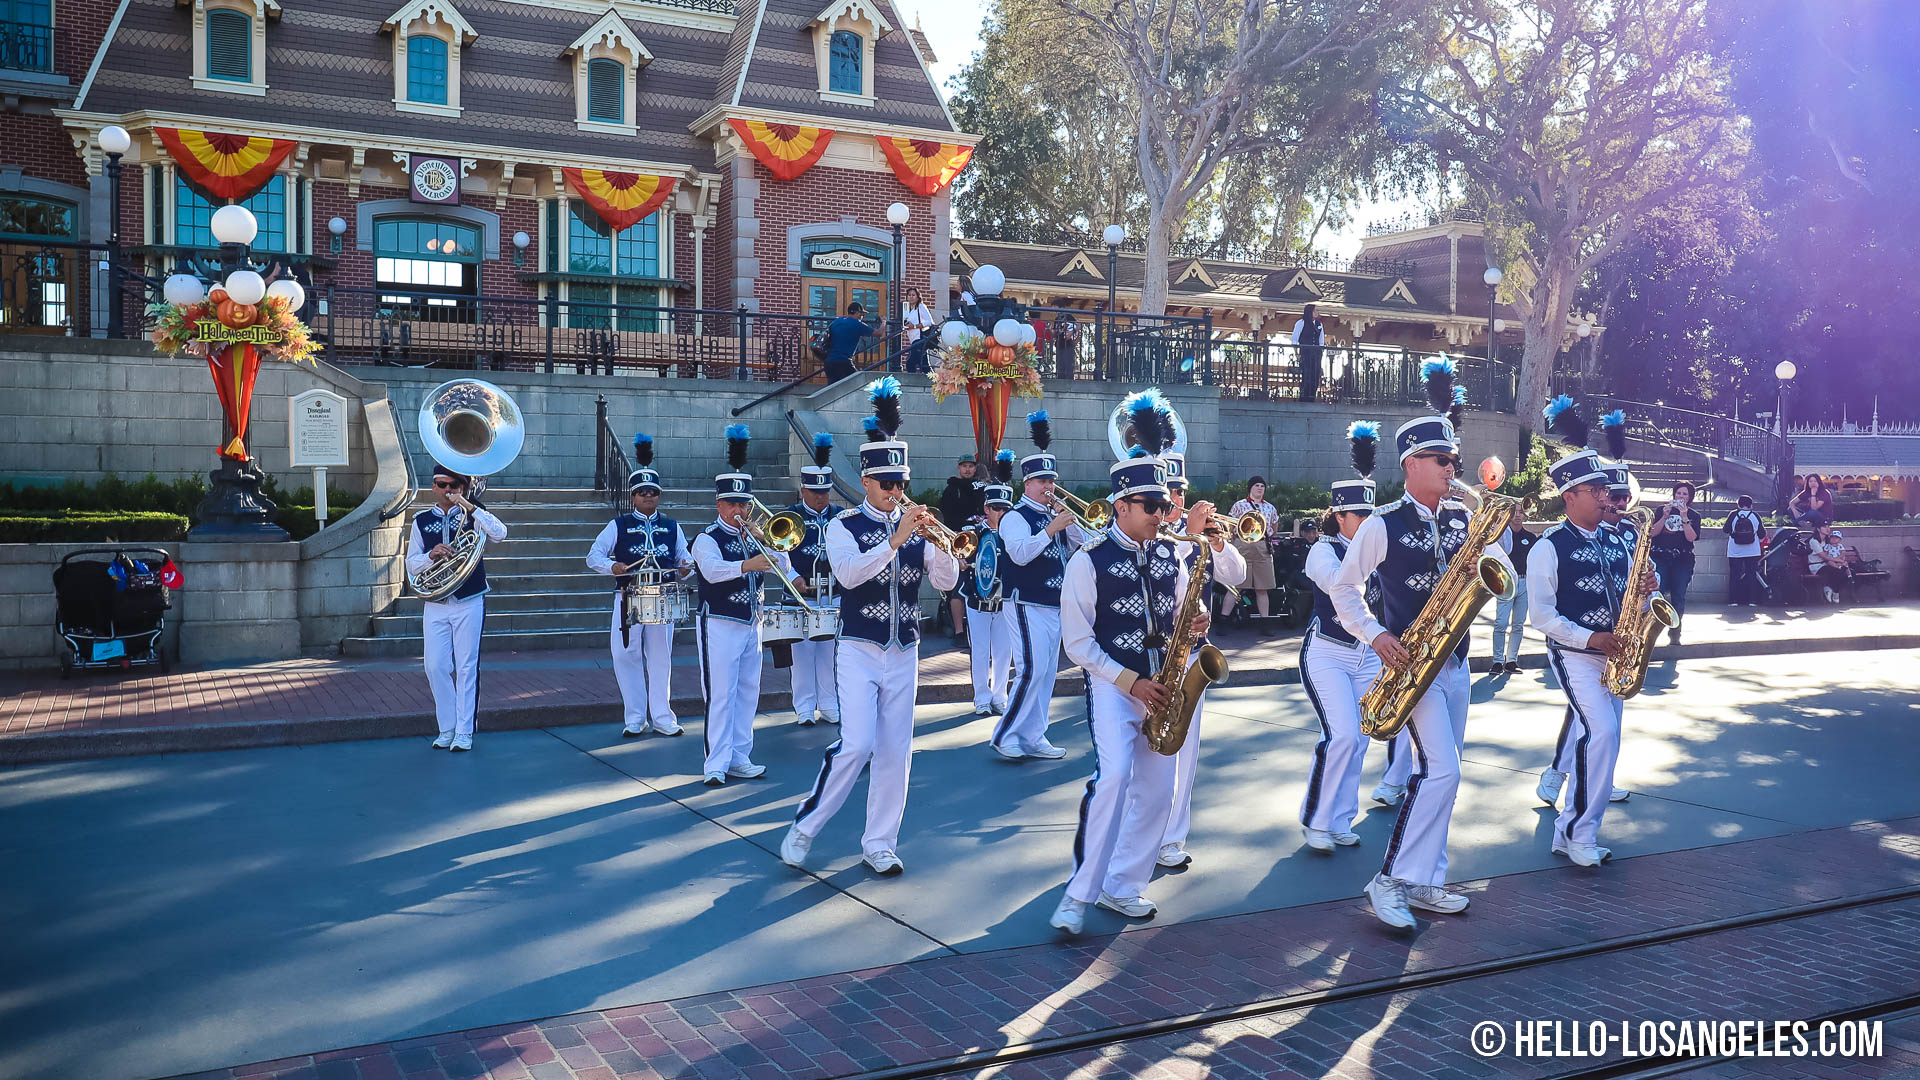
x=474, y=428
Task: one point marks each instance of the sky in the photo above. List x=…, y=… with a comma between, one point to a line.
x=953, y=27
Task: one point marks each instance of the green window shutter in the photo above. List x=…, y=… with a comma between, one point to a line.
x=606, y=90
x=229, y=46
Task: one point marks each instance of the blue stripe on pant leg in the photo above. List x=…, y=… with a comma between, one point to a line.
x=1019, y=695
x=1406, y=805
x=1579, y=807
x=1566, y=727
x=706, y=692
x=820, y=785
x=1086, y=801
x=1326, y=736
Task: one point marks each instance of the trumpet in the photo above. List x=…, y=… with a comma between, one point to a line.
x=1248, y=528
x=1092, y=516
x=960, y=545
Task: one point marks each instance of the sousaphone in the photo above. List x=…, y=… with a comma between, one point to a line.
x=474, y=428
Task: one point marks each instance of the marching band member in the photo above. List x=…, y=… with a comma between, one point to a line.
x=1226, y=566
x=450, y=628
x=813, y=691
x=1410, y=543
x=729, y=563
x=643, y=655
x=879, y=556
x=1038, y=536
x=989, y=633
x=1576, y=614
x=1120, y=599
x=1336, y=669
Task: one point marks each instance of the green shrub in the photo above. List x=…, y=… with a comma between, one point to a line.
x=109, y=493
x=139, y=505
x=95, y=527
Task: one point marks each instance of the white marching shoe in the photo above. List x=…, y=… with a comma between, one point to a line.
x=1173, y=856
x=884, y=863
x=1319, y=839
x=1133, y=907
x=1619, y=794
x=1070, y=916
x=983, y=710
x=805, y=719
x=1435, y=898
x=462, y=743
x=1043, y=749
x=793, y=850
x=1389, y=794
x=445, y=740
x=1388, y=898
x=1549, y=787
x=748, y=771
x=1583, y=854
x=715, y=779
x=1347, y=839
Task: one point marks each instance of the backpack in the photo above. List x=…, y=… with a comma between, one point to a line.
x=1743, y=530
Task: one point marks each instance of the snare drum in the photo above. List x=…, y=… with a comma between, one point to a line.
x=648, y=605
x=679, y=604
x=782, y=623
x=823, y=624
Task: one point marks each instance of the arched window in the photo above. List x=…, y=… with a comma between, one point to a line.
x=433, y=258
x=606, y=90
x=229, y=46
x=426, y=69
x=843, y=72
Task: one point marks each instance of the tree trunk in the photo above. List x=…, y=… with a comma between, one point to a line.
x=1552, y=297
x=1153, y=290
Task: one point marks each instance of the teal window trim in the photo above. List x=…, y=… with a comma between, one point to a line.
x=606, y=90
x=426, y=69
x=193, y=215
x=229, y=46
x=846, y=60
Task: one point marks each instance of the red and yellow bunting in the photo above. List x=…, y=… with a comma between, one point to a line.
x=620, y=198
x=226, y=166
x=787, y=150
x=926, y=167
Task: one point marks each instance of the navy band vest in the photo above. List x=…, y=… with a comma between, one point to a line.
x=436, y=528
x=1323, y=617
x=637, y=538
x=885, y=608
x=1593, y=576
x=1412, y=567
x=811, y=555
x=1039, y=581
x=1135, y=601
x=739, y=599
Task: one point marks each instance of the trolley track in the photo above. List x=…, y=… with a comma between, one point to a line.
x=1054, y=1052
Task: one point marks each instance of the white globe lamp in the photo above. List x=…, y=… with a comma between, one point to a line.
x=1007, y=332
x=289, y=290
x=897, y=214
x=234, y=225
x=953, y=334
x=1492, y=277
x=115, y=140
x=988, y=280
x=1114, y=235
x=245, y=287
x=184, y=289
x=1785, y=371
x=1028, y=335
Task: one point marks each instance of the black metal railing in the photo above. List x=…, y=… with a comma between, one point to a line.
x=26, y=46
x=1352, y=375
x=1410, y=222
x=611, y=467
x=1689, y=429
x=1271, y=255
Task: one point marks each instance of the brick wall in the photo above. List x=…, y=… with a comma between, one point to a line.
x=827, y=195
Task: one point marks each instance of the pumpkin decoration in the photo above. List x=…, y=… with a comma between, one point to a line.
x=232, y=313
x=999, y=354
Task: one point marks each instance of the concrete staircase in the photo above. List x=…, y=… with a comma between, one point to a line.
x=542, y=596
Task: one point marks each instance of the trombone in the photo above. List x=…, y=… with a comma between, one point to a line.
x=960, y=545
x=1092, y=516
x=772, y=532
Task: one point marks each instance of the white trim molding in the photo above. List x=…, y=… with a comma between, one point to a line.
x=436, y=19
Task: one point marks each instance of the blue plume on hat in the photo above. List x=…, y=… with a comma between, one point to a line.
x=643, y=449
x=872, y=426
x=1438, y=372
x=1364, y=437
x=737, y=435
x=885, y=394
x=1614, y=427
x=1565, y=421
x=1149, y=424
x=1459, y=406
x=1137, y=452
x=1042, y=431
x=822, y=448
x=1003, y=467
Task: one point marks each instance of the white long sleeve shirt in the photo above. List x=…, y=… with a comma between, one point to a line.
x=1365, y=552
x=1323, y=566
x=1543, y=588
x=716, y=568
x=1077, y=600
x=1226, y=563
x=489, y=526
x=852, y=567
x=1024, y=543
x=600, y=556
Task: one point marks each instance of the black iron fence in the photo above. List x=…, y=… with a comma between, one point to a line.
x=26, y=46
x=1352, y=375
x=1688, y=429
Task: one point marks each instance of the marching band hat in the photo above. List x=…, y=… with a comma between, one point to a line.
x=1000, y=492
x=1617, y=477
x=1354, y=495
x=1614, y=427
x=1363, y=440
x=819, y=475
x=1424, y=433
x=643, y=478
x=1176, y=470
x=736, y=484
x=1140, y=475
x=442, y=470
x=1580, y=465
x=882, y=455
x=1040, y=466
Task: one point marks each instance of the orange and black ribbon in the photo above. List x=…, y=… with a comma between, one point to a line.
x=620, y=198
x=225, y=166
x=787, y=150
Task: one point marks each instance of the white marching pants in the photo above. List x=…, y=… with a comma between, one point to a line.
x=1036, y=665
x=1186, y=763
x=813, y=681
x=1106, y=856
x=1417, y=851
x=1593, y=743
x=450, y=631
x=990, y=639
x=1336, y=676
x=644, y=669
x=730, y=681
x=877, y=687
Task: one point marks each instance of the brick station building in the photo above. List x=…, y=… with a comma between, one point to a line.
x=626, y=144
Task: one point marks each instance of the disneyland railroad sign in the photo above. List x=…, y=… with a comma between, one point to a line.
x=434, y=179
x=844, y=262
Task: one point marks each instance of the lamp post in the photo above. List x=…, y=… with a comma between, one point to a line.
x=336, y=229
x=1114, y=235
x=114, y=141
x=1492, y=277
x=897, y=215
x=234, y=510
x=1784, y=371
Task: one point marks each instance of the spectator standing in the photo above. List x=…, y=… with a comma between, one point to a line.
x=1310, y=335
x=844, y=335
x=1510, y=611
x=1827, y=560
x=916, y=323
x=1743, y=529
x=1813, y=504
x=1675, y=529
x=963, y=503
x=1259, y=553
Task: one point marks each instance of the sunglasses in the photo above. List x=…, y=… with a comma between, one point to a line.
x=446, y=483
x=889, y=485
x=1444, y=459
x=1151, y=504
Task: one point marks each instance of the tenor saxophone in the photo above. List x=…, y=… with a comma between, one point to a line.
x=1642, y=617
x=1165, y=728
x=1472, y=578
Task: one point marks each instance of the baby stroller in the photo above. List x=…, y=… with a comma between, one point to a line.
x=112, y=606
x=1781, y=565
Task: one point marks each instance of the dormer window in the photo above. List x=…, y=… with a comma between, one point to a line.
x=230, y=44
x=427, y=39
x=606, y=59
x=843, y=37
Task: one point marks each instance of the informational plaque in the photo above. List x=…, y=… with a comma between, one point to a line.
x=317, y=430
